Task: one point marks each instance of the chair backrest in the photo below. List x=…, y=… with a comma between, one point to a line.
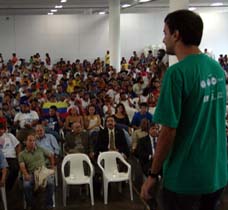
x=110, y=163
x=76, y=164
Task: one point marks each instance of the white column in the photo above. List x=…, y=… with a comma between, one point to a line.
x=114, y=33
x=176, y=5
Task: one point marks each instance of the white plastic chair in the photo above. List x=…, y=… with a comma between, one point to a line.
x=77, y=175
x=3, y=192
x=111, y=173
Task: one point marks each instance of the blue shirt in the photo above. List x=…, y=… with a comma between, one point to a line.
x=49, y=142
x=137, y=118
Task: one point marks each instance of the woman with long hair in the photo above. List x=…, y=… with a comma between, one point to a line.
x=73, y=117
x=121, y=116
x=92, y=120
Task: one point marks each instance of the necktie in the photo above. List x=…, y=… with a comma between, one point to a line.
x=112, y=141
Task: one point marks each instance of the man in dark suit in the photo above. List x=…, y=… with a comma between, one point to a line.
x=145, y=152
x=111, y=138
x=78, y=141
x=146, y=147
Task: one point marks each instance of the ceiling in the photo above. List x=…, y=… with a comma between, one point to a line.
x=42, y=7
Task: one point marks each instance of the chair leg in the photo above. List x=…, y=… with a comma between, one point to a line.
x=24, y=202
x=105, y=192
x=53, y=198
x=91, y=193
x=3, y=191
x=64, y=193
x=87, y=190
x=67, y=190
x=56, y=176
x=120, y=187
x=131, y=191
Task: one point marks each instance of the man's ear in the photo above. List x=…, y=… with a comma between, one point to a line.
x=176, y=35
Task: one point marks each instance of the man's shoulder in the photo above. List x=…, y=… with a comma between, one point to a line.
x=137, y=114
x=105, y=129
x=119, y=131
x=144, y=139
x=23, y=153
x=49, y=136
x=33, y=112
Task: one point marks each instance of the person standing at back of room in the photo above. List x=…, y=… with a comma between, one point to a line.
x=191, y=146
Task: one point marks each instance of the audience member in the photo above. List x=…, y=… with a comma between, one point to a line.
x=111, y=138
x=140, y=133
x=10, y=147
x=138, y=116
x=78, y=141
x=46, y=140
x=146, y=148
x=3, y=169
x=31, y=159
x=72, y=117
x=25, y=120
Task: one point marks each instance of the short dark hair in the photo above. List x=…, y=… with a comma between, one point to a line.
x=110, y=116
x=143, y=104
x=53, y=107
x=189, y=25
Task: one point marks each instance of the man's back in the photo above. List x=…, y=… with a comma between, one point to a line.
x=195, y=100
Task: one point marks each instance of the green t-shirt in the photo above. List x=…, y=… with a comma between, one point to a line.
x=193, y=100
x=33, y=160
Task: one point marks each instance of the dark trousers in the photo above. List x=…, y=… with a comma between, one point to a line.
x=12, y=172
x=29, y=192
x=174, y=201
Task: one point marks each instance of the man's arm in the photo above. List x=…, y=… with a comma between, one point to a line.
x=24, y=171
x=164, y=145
x=52, y=161
x=18, y=149
x=54, y=144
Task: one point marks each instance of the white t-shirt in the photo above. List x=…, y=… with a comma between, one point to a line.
x=26, y=118
x=8, y=143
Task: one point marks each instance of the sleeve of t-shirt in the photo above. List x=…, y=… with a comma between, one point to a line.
x=168, y=110
x=16, y=117
x=20, y=157
x=14, y=140
x=35, y=115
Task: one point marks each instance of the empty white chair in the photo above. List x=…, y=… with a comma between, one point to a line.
x=77, y=174
x=3, y=192
x=111, y=173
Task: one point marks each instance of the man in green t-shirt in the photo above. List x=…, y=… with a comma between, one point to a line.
x=30, y=159
x=191, y=146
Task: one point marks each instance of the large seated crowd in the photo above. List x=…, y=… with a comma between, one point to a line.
x=72, y=107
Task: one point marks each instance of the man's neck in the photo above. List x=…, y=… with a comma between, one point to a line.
x=41, y=137
x=183, y=51
x=30, y=149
